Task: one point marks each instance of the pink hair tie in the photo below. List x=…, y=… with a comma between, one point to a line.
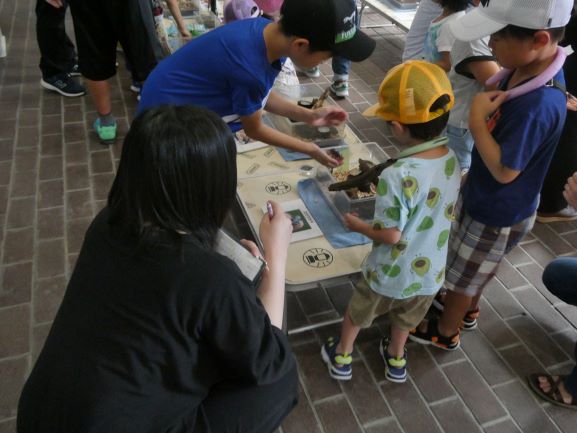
x=534, y=83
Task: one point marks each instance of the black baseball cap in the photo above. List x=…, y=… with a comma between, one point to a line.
x=328, y=25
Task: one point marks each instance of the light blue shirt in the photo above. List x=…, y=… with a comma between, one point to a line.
x=418, y=197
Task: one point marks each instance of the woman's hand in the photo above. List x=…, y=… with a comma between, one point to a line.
x=275, y=233
x=251, y=247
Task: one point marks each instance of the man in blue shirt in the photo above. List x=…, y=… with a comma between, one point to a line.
x=231, y=70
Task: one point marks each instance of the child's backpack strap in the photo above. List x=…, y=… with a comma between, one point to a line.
x=557, y=85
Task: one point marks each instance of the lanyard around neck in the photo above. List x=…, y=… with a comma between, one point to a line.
x=437, y=142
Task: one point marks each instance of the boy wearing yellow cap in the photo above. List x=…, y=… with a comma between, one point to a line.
x=413, y=213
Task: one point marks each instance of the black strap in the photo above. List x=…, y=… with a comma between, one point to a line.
x=557, y=85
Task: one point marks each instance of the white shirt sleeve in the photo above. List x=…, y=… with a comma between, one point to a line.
x=445, y=38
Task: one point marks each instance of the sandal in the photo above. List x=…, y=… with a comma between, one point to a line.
x=554, y=395
x=434, y=337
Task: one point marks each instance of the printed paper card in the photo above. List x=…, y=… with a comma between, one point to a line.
x=304, y=226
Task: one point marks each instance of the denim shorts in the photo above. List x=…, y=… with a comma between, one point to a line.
x=461, y=141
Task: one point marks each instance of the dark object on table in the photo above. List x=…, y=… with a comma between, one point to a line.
x=335, y=154
x=315, y=102
x=306, y=104
x=368, y=173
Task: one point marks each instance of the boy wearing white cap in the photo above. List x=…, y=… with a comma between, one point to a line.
x=516, y=130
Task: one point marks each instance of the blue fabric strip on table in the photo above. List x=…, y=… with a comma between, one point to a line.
x=330, y=224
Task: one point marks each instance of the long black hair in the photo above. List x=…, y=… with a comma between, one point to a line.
x=454, y=5
x=177, y=173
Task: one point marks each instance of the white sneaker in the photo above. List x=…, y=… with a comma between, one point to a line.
x=567, y=214
x=340, y=88
x=311, y=72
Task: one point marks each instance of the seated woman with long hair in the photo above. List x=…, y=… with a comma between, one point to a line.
x=158, y=333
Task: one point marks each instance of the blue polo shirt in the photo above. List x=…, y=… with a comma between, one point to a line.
x=225, y=70
x=527, y=129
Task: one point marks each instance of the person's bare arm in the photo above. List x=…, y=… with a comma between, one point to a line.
x=482, y=70
x=175, y=12
x=55, y=3
x=257, y=130
x=382, y=235
x=275, y=233
x=445, y=61
x=483, y=105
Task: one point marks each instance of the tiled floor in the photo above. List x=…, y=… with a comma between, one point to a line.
x=54, y=176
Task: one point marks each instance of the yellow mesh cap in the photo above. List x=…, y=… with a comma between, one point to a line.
x=409, y=90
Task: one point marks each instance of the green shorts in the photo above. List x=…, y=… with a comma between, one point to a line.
x=366, y=305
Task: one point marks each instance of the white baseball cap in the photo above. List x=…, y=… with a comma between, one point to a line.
x=494, y=15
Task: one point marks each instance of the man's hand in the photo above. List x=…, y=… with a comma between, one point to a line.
x=325, y=158
x=570, y=192
x=328, y=116
x=486, y=103
x=55, y=3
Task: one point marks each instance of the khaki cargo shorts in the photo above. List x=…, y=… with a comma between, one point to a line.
x=366, y=305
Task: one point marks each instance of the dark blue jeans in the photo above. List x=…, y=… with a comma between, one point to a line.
x=560, y=277
x=342, y=66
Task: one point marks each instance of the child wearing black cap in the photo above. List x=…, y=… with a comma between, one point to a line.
x=231, y=70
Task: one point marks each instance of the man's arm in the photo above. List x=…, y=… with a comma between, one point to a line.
x=56, y=3
x=255, y=129
x=483, y=105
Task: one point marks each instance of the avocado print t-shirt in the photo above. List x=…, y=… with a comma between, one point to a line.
x=418, y=197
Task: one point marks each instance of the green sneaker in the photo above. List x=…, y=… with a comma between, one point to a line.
x=106, y=134
x=340, y=88
x=313, y=72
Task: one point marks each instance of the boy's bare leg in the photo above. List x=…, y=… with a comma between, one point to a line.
x=100, y=92
x=397, y=342
x=456, y=306
x=349, y=333
x=475, y=302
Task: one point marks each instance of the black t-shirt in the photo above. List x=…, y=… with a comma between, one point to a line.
x=141, y=336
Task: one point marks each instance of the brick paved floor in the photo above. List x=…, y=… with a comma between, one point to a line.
x=54, y=176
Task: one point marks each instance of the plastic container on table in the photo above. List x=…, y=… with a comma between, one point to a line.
x=340, y=201
x=322, y=135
